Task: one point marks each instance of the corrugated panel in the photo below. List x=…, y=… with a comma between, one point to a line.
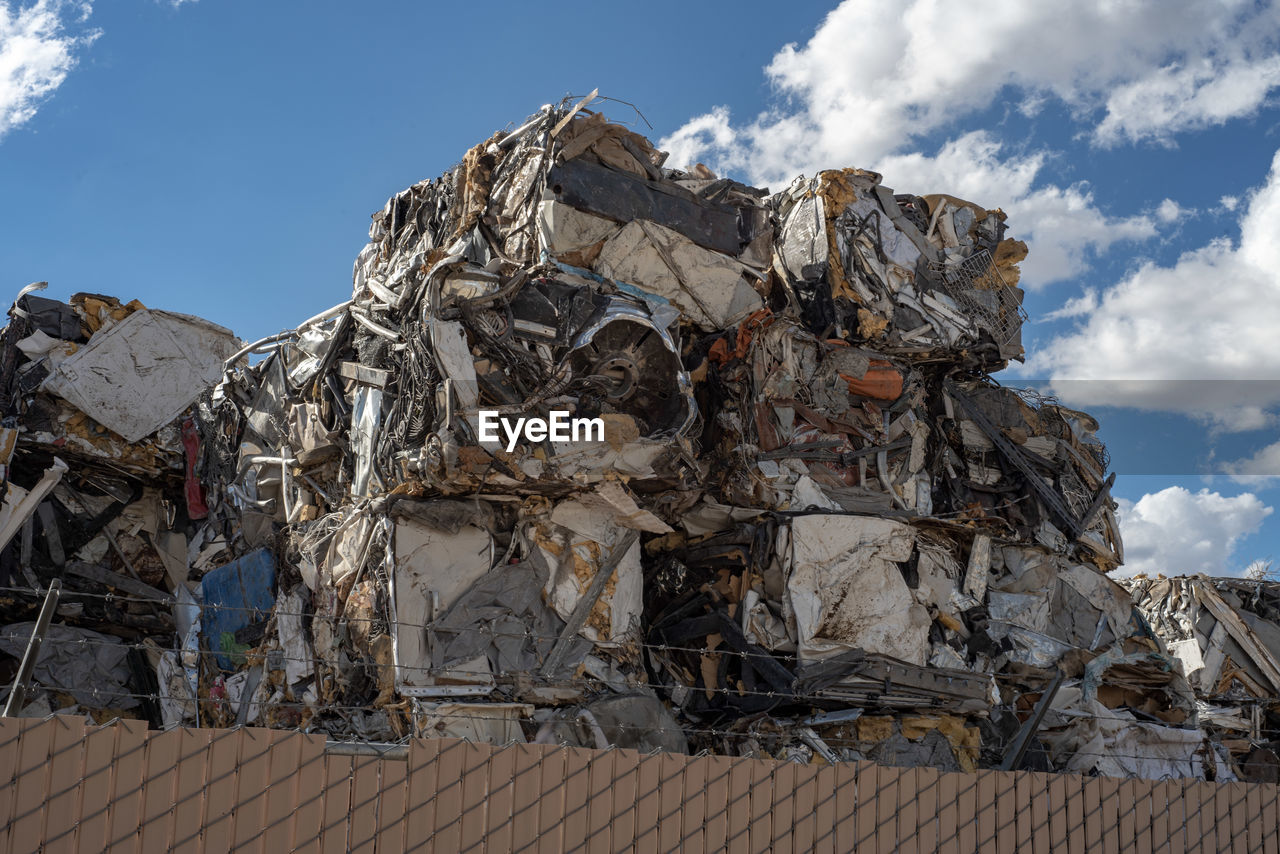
x=65, y=786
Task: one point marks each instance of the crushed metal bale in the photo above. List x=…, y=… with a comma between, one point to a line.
x=602, y=452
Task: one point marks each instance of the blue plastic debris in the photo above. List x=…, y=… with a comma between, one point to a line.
x=236, y=596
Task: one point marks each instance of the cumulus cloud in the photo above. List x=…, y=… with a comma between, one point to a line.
x=1179, y=532
x=1085, y=304
x=1169, y=212
x=880, y=75
x=1264, y=463
x=36, y=52
x=1177, y=98
x=1197, y=336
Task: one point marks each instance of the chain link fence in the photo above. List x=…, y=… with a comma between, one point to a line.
x=67, y=785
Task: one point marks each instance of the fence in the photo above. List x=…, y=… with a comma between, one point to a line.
x=65, y=786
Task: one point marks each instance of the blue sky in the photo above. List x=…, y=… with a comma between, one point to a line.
x=222, y=157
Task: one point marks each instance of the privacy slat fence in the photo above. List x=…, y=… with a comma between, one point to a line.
x=68, y=786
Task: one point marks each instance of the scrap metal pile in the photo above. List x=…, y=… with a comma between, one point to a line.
x=1225, y=634
x=780, y=507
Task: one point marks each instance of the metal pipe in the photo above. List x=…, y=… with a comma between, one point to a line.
x=261, y=342
x=326, y=314
x=18, y=693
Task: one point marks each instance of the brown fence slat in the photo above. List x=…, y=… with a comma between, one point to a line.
x=988, y=830
x=825, y=811
x=475, y=791
x=909, y=814
x=761, y=806
x=448, y=824
x=1006, y=813
x=501, y=772
x=577, y=793
x=1222, y=817
x=1024, y=802
x=366, y=798
x=738, y=807
x=35, y=743
x=99, y=760
x=648, y=802
x=392, y=800
x=1143, y=807
x=1058, y=809
x=1269, y=818
x=1253, y=809
x=1239, y=817
x=1198, y=822
x=1091, y=799
x=806, y=799
x=1162, y=826
x=670, y=800
x=308, y=814
x=125, y=810
x=420, y=814
x=784, y=786
x=159, y=790
x=719, y=769
x=1176, y=808
x=693, y=812
x=551, y=806
x=285, y=759
x=949, y=817
x=1037, y=807
x=66, y=779
x=1126, y=828
x=188, y=804
x=600, y=806
x=10, y=741
x=527, y=791
x=218, y=784
x=335, y=829
x=253, y=775
x=1110, y=811
x=1076, y=833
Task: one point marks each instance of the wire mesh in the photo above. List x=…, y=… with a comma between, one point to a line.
x=977, y=286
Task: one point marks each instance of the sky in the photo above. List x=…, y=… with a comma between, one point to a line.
x=222, y=158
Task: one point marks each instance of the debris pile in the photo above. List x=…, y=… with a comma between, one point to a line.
x=1225, y=635
x=603, y=452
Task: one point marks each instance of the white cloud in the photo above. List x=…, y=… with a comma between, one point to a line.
x=1201, y=332
x=1188, y=97
x=1265, y=463
x=1229, y=203
x=1084, y=304
x=879, y=75
x=36, y=52
x=1179, y=532
x=1169, y=212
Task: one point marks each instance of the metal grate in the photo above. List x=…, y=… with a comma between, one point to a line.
x=1000, y=311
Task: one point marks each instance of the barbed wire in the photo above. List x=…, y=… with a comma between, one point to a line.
x=321, y=706
x=831, y=740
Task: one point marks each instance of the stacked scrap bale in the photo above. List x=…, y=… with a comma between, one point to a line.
x=1224, y=634
x=95, y=397
x=812, y=525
